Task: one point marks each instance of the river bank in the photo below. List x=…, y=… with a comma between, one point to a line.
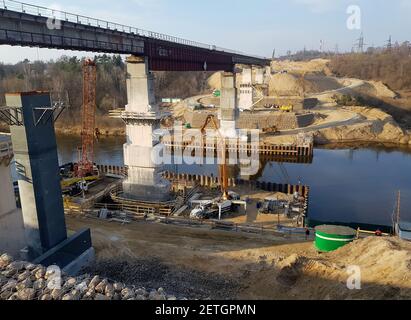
x=350, y=125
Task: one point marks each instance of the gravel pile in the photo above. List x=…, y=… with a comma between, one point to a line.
x=21, y=280
x=179, y=281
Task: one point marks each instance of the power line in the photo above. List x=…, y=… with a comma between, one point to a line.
x=389, y=43
x=360, y=44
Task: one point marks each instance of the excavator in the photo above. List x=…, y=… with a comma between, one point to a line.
x=223, y=167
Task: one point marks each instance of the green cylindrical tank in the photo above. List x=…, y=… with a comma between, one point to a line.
x=330, y=238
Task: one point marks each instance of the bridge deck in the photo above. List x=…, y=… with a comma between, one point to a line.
x=29, y=25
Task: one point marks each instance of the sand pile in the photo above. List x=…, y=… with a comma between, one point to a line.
x=382, y=90
x=214, y=81
x=316, y=65
x=286, y=84
x=377, y=127
x=320, y=83
x=384, y=263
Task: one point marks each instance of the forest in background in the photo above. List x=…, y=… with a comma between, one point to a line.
x=391, y=66
x=65, y=75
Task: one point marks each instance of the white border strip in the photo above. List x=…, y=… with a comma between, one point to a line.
x=334, y=239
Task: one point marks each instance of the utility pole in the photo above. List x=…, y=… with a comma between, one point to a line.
x=360, y=44
x=336, y=49
x=389, y=43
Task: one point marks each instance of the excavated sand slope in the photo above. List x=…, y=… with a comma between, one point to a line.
x=379, y=126
x=384, y=264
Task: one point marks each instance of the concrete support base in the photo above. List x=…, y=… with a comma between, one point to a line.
x=72, y=254
x=12, y=235
x=83, y=261
x=158, y=193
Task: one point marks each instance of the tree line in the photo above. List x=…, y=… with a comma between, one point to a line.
x=389, y=65
x=65, y=76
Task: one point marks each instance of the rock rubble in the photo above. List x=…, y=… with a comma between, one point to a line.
x=21, y=280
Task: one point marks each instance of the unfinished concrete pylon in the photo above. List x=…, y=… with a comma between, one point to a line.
x=259, y=74
x=142, y=117
x=12, y=238
x=228, y=105
x=31, y=117
x=245, y=101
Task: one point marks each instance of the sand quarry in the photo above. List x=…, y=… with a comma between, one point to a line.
x=388, y=123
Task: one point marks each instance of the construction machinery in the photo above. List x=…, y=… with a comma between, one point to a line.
x=271, y=130
x=223, y=166
x=286, y=108
x=85, y=166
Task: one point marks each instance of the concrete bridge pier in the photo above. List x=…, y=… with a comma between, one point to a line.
x=31, y=119
x=259, y=74
x=12, y=238
x=142, y=118
x=245, y=92
x=228, y=105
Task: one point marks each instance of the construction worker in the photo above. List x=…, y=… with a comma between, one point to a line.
x=83, y=187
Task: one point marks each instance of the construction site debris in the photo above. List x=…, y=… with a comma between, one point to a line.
x=24, y=281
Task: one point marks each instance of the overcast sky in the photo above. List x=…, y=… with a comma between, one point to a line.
x=256, y=26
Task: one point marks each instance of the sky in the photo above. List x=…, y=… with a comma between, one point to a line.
x=255, y=27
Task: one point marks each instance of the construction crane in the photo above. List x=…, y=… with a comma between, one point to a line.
x=223, y=166
x=88, y=115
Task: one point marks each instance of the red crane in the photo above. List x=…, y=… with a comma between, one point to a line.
x=88, y=116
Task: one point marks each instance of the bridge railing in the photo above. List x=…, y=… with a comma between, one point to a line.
x=58, y=15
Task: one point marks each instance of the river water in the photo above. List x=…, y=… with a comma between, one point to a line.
x=348, y=185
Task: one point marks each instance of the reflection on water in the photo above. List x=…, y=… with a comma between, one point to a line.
x=108, y=150
x=346, y=185
x=354, y=186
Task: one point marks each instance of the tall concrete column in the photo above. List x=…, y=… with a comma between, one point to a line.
x=31, y=117
x=267, y=75
x=245, y=101
x=228, y=105
x=142, y=118
x=35, y=153
x=12, y=238
x=259, y=76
